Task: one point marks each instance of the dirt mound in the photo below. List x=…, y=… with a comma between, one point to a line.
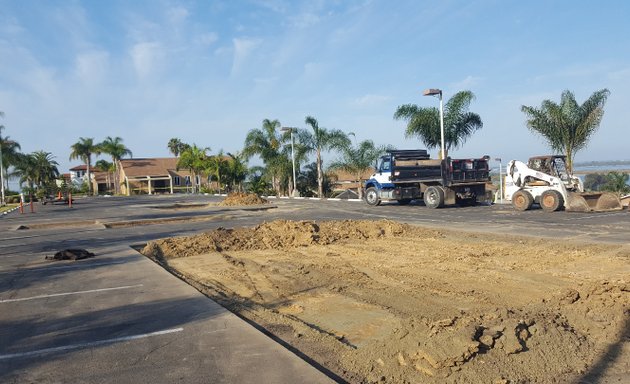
x=238, y=198
x=279, y=234
x=381, y=301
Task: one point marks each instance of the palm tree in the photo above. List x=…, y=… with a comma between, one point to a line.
x=176, y=146
x=9, y=151
x=237, y=171
x=266, y=142
x=567, y=126
x=358, y=159
x=105, y=166
x=424, y=123
x=193, y=159
x=117, y=150
x=321, y=140
x=83, y=150
x=38, y=170
x=217, y=166
x=617, y=182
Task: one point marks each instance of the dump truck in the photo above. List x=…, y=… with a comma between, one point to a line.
x=545, y=181
x=406, y=175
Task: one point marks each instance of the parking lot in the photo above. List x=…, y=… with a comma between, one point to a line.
x=119, y=317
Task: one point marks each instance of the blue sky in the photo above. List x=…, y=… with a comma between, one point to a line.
x=209, y=71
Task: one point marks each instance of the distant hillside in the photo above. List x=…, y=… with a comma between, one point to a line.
x=614, y=163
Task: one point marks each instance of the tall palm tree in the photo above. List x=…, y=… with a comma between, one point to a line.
x=117, y=150
x=424, y=123
x=83, y=150
x=320, y=140
x=358, y=159
x=267, y=142
x=567, y=126
x=193, y=159
x=176, y=146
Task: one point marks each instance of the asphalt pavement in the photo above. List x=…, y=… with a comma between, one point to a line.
x=120, y=318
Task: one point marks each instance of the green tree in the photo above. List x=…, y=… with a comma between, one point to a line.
x=357, y=160
x=105, y=166
x=594, y=181
x=38, y=170
x=176, y=146
x=193, y=159
x=117, y=150
x=83, y=150
x=617, y=182
x=567, y=127
x=320, y=140
x=10, y=151
x=267, y=143
x=236, y=171
x=424, y=123
x=217, y=166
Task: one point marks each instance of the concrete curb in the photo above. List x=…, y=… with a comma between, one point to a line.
x=310, y=198
x=9, y=211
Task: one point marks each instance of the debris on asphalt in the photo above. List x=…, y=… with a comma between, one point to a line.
x=71, y=254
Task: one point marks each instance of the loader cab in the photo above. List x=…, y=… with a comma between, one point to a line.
x=554, y=165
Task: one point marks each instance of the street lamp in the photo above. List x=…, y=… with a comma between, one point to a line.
x=1, y=176
x=291, y=129
x=438, y=92
x=500, y=179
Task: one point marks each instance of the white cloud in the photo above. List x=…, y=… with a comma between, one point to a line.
x=91, y=67
x=207, y=38
x=177, y=15
x=146, y=57
x=370, y=100
x=242, y=50
x=466, y=83
x=305, y=20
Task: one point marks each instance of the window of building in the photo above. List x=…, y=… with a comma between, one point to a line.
x=176, y=180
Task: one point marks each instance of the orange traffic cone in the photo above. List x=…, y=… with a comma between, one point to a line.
x=58, y=195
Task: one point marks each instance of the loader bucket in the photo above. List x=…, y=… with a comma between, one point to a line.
x=593, y=202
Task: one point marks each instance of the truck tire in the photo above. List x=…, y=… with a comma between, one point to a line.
x=434, y=197
x=371, y=196
x=522, y=200
x=551, y=201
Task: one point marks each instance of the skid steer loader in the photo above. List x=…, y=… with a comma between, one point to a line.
x=544, y=180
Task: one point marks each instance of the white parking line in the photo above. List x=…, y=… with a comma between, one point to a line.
x=88, y=345
x=69, y=293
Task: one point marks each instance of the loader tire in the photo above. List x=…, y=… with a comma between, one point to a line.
x=551, y=201
x=522, y=200
x=371, y=197
x=434, y=197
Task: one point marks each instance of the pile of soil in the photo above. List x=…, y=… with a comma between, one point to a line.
x=381, y=301
x=239, y=198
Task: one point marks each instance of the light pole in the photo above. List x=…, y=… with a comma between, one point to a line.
x=438, y=92
x=290, y=129
x=500, y=179
x=1, y=176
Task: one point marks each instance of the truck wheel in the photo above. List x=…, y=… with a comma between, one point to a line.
x=371, y=196
x=434, y=197
x=522, y=200
x=551, y=201
x=404, y=201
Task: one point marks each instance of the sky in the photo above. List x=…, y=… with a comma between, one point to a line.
x=209, y=71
